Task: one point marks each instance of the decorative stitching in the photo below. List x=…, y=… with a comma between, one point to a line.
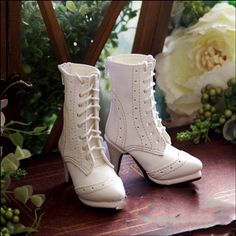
x=142, y=119
x=121, y=123
x=95, y=187
x=169, y=168
x=135, y=121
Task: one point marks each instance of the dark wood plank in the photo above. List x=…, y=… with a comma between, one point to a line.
x=152, y=27
x=13, y=37
x=3, y=54
x=103, y=32
x=12, y=53
x=54, y=31
x=161, y=26
x=91, y=57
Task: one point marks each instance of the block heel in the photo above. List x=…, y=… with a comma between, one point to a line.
x=115, y=156
x=67, y=174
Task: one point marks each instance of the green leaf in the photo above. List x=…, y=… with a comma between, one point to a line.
x=83, y=10
x=22, y=153
x=71, y=6
x=5, y=183
x=39, y=129
x=10, y=163
x=38, y=199
x=12, y=122
x=20, y=229
x=26, y=68
x=17, y=139
x=27, y=153
x=229, y=129
x=23, y=193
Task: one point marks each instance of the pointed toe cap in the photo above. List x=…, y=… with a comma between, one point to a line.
x=110, y=194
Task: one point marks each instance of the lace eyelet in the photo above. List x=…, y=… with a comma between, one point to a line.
x=80, y=95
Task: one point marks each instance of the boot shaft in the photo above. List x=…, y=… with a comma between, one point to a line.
x=126, y=72
x=81, y=106
x=132, y=121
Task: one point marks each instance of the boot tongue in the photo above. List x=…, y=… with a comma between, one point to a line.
x=147, y=59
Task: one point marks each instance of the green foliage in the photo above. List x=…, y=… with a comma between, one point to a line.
x=199, y=130
x=193, y=10
x=10, y=220
x=218, y=114
x=79, y=21
x=188, y=13
x=17, y=174
x=10, y=168
x=232, y=2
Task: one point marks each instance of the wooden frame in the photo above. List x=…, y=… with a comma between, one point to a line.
x=54, y=31
x=10, y=31
x=10, y=48
x=152, y=27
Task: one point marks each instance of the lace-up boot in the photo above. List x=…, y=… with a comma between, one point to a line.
x=80, y=144
x=134, y=127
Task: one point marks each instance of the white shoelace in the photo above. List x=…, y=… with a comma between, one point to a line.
x=92, y=132
x=149, y=91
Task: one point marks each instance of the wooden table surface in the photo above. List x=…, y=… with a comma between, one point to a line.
x=151, y=209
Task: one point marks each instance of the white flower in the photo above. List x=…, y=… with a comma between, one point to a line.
x=196, y=56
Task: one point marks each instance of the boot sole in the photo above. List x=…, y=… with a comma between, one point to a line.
x=118, y=205
x=184, y=179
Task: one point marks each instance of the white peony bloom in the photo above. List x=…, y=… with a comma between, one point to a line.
x=196, y=56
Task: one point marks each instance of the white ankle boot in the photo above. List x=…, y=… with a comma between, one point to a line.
x=80, y=144
x=133, y=125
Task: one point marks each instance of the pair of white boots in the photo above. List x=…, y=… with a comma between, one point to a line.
x=133, y=127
